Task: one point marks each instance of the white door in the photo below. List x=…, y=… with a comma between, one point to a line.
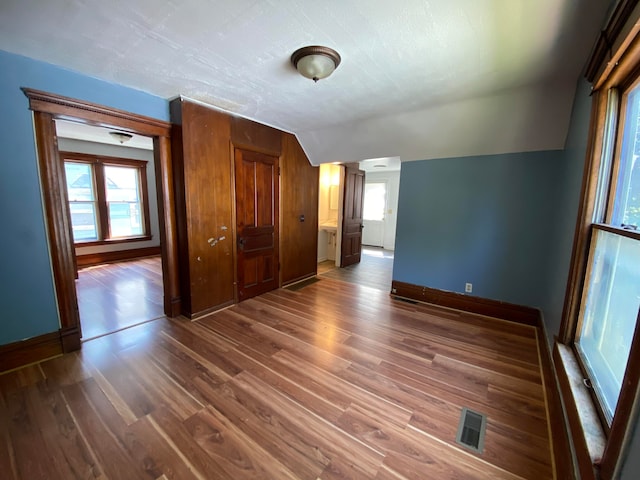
x=375, y=204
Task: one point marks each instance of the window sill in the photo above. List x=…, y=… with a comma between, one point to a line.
x=114, y=241
x=589, y=439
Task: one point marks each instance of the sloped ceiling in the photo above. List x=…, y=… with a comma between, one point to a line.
x=419, y=79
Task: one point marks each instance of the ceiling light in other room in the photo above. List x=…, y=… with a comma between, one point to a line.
x=315, y=62
x=121, y=136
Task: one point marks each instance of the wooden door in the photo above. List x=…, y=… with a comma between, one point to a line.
x=257, y=189
x=352, y=216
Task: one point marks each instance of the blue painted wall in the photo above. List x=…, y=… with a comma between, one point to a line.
x=504, y=223
x=569, y=177
x=26, y=283
x=483, y=220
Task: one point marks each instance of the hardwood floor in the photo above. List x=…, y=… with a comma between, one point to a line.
x=375, y=269
x=333, y=381
x=119, y=295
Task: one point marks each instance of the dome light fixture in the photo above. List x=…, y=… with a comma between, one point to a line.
x=121, y=137
x=315, y=62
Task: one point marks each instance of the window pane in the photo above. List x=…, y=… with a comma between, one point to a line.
x=125, y=219
x=609, y=313
x=80, y=185
x=122, y=184
x=627, y=201
x=81, y=193
x=374, y=201
x=83, y=221
x=123, y=199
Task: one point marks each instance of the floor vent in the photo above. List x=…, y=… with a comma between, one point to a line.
x=405, y=300
x=471, y=430
x=301, y=284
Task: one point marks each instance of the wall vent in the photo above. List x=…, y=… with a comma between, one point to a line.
x=471, y=430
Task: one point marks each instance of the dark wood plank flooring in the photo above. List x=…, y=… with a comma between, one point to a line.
x=333, y=381
x=119, y=295
x=374, y=270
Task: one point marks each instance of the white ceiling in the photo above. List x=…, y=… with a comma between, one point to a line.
x=381, y=165
x=419, y=78
x=81, y=131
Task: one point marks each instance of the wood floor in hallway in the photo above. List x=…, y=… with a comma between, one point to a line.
x=375, y=269
x=333, y=381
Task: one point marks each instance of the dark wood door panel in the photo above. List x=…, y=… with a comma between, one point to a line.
x=256, y=239
x=352, y=216
x=256, y=222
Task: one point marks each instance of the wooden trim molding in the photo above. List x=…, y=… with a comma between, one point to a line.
x=626, y=411
x=17, y=354
x=70, y=338
x=90, y=259
x=47, y=107
x=611, y=31
x=36, y=349
x=166, y=196
x=482, y=306
x=56, y=207
x=99, y=115
x=560, y=436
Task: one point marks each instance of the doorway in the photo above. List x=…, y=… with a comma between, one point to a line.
x=375, y=207
x=48, y=107
x=111, y=189
x=382, y=189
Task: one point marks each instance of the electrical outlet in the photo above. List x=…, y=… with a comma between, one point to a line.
x=468, y=287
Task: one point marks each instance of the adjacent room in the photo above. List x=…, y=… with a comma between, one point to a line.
x=320, y=240
x=115, y=228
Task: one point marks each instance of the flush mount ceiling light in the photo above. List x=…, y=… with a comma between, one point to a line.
x=121, y=136
x=315, y=62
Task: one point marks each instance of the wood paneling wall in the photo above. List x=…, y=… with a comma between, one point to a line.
x=252, y=135
x=203, y=141
x=299, y=198
x=203, y=177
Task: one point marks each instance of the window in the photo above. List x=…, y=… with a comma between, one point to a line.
x=107, y=198
x=611, y=297
x=602, y=306
x=608, y=314
x=375, y=195
x=611, y=294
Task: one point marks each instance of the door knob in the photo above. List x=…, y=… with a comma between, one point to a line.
x=241, y=243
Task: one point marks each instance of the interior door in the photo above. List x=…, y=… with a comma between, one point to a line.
x=352, y=216
x=257, y=189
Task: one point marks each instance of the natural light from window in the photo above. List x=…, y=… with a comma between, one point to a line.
x=610, y=302
x=375, y=195
x=123, y=199
x=610, y=313
x=82, y=201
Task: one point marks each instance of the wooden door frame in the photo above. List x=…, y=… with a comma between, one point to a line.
x=48, y=107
